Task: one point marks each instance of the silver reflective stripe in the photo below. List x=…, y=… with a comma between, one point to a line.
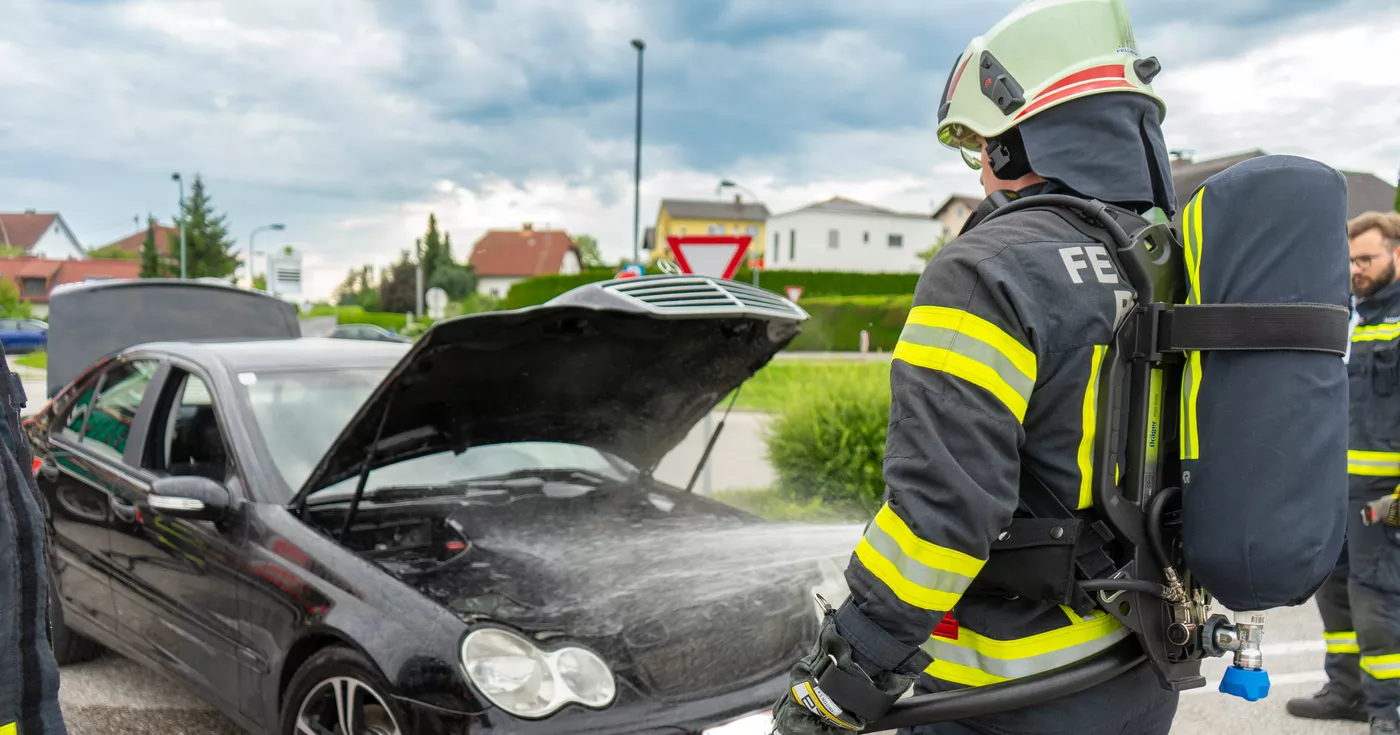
x=925, y=576
x=1016, y=668
x=972, y=348
x=1388, y=670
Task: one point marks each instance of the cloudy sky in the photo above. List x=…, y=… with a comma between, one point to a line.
x=351, y=120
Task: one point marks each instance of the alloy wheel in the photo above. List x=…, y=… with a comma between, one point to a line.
x=345, y=706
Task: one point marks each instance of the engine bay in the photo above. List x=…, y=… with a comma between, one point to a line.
x=407, y=546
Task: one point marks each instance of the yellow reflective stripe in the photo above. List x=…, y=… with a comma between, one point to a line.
x=975, y=660
x=1373, y=464
x=1191, y=375
x=8, y=729
x=1382, y=667
x=1091, y=422
x=971, y=348
x=920, y=573
x=1341, y=642
x=1376, y=333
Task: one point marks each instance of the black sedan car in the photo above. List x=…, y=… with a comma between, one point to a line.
x=462, y=535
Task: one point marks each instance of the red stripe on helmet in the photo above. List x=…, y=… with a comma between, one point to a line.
x=958, y=76
x=1107, y=71
x=1046, y=100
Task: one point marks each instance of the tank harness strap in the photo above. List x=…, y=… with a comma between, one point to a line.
x=1288, y=326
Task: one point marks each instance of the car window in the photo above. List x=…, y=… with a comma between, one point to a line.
x=190, y=441
x=110, y=417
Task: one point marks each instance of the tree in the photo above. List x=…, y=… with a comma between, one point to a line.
x=396, y=287
x=433, y=254
x=588, y=254
x=208, y=247
x=456, y=280
x=10, y=305
x=151, y=267
x=927, y=255
x=260, y=282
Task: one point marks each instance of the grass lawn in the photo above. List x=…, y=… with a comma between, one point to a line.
x=782, y=382
x=33, y=359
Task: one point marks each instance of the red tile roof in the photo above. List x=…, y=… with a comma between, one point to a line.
x=521, y=252
x=59, y=272
x=23, y=230
x=166, y=237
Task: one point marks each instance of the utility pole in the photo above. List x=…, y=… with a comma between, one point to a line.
x=176, y=177
x=418, y=278
x=640, y=45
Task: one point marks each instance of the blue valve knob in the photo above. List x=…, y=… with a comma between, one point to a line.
x=1250, y=684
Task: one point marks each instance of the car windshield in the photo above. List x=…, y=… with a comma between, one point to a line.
x=300, y=412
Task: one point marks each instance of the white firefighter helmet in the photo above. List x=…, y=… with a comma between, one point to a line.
x=1045, y=53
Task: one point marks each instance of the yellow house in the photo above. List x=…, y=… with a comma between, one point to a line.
x=709, y=217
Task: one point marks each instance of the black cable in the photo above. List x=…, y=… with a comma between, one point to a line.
x=960, y=704
x=1127, y=585
x=1156, y=509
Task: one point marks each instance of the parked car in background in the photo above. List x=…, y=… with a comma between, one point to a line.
x=366, y=331
x=342, y=536
x=23, y=335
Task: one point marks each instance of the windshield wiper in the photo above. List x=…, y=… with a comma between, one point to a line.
x=515, y=481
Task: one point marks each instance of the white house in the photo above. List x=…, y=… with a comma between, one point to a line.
x=844, y=235
x=503, y=258
x=39, y=235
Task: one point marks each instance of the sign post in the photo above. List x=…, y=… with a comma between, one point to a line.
x=717, y=256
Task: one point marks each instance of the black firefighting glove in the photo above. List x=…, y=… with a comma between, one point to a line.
x=1383, y=510
x=809, y=709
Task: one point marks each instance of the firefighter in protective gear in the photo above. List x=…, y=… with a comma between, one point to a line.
x=1360, y=601
x=28, y=670
x=995, y=377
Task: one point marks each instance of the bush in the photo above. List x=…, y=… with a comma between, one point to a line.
x=537, y=290
x=356, y=315
x=415, y=329
x=829, y=444
x=836, y=323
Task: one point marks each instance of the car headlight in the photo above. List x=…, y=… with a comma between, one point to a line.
x=832, y=587
x=528, y=682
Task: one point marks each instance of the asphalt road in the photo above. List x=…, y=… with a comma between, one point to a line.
x=113, y=695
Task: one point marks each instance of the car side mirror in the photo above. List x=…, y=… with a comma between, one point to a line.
x=190, y=496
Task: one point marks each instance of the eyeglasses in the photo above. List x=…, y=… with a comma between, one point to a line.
x=1364, y=261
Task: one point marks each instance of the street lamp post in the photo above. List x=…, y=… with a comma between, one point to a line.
x=176, y=177
x=277, y=227
x=640, y=45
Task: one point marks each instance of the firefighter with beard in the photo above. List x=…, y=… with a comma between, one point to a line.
x=1360, y=601
x=996, y=371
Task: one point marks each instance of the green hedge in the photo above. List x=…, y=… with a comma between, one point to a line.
x=836, y=323
x=815, y=284
x=537, y=290
x=357, y=315
x=829, y=443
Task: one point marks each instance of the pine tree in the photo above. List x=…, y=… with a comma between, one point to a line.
x=150, y=257
x=208, y=247
x=432, y=252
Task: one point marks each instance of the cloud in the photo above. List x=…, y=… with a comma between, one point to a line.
x=350, y=120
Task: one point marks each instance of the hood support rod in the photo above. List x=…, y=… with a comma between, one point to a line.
x=364, y=468
x=705, y=456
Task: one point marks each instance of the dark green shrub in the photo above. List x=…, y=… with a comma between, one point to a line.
x=836, y=323
x=537, y=290
x=815, y=284
x=829, y=443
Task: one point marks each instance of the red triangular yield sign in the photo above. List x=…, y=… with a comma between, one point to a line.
x=717, y=256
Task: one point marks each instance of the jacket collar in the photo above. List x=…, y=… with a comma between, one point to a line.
x=1383, y=302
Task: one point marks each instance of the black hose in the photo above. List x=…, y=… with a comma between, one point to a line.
x=1156, y=508
x=1128, y=585
x=960, y=704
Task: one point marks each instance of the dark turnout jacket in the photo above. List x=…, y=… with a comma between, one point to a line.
x=28, y=672
x=998, y=368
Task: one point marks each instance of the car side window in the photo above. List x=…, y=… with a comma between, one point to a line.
x=192, y=443
x=107, y=419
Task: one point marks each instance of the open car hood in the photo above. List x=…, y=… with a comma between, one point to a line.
x=93, y=319
x=625, y=366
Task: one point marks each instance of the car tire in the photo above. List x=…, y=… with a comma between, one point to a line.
x=68, y=647
x=324, y=680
